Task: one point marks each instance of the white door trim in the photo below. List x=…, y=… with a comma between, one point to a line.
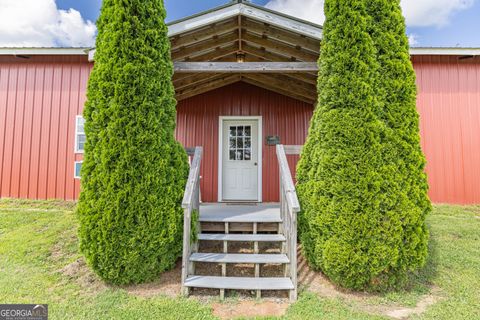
x=221, y=119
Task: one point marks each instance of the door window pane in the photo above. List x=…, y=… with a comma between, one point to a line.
x=240, y=131
x=247, y=131
x=233, y=131
x=239, y=154
x=247, y=144
x=240, y=143
x=233, y=143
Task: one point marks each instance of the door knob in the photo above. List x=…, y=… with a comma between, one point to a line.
x=255, y=164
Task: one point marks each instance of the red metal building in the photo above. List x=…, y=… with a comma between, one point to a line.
x=236, y=117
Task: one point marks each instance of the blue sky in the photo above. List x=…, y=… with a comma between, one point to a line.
x=71, y=22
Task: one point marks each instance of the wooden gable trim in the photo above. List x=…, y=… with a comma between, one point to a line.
x=251, y=11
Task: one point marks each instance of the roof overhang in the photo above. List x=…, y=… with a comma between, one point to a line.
x=248, y=10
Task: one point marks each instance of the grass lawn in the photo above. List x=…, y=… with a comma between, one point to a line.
x=38, y=241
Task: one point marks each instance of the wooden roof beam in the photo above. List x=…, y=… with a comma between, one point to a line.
x=216, y=53
x=184, y=40
x=280, y=90
x=279, y=47
x=211, y=85
x=281, y=35
x=269, y=56
x=245, y=67
x=194, y=79
x=205, y=45
x=279, y=81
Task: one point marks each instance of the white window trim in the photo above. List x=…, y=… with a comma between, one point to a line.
x=221, y=119
x=76, y=134
x=75, y=169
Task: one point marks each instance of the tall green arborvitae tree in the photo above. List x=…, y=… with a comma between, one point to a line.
x=357, y=224
x=338, y=173
x=134, y=171
x=396, y=90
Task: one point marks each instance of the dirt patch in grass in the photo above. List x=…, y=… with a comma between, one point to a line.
x=79, y=272
x=421, y=307
x=316, y=282
x=249, y=309
x=169, y=284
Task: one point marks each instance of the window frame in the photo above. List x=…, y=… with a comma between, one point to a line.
x=75, y=176
x=77, y=150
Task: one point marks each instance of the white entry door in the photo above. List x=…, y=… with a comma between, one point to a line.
x=240, y=160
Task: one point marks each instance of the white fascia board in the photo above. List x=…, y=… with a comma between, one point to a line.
x=445, y=51
x=43, y=51
x=91, y=55
x=204, y=20
x=281, y=21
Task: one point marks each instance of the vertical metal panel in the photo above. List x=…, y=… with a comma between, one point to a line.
x=198, y=121
x=449, y=107
x=39, y=99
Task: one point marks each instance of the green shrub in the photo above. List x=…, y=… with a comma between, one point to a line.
x=362, y=220
x=134, y=171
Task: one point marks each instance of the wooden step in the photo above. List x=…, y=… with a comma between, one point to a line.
x=239, y=214
x=242, y=237
x=239, y=258
x=239, y=283
x=238, y=227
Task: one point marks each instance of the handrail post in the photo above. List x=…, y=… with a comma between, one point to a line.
x=289, y=207
x=190, y=202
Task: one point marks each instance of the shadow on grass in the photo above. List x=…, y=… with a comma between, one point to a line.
x=422, y=280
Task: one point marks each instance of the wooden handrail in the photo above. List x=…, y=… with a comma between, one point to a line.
x=286, y=179
x=193, y=176
x=293, y=149
x=190, y=203
x=289, y=207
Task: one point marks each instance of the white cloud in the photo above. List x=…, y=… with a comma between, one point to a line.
x=418, y=13
x=39, y=23
x=311, y=10
x=424, y=13
x=412, y=39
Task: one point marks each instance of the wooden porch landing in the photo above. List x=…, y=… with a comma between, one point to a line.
x=248, y=213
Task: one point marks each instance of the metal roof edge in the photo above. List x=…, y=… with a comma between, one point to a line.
x=415, y=51
x=44, y=51
x=445, y=51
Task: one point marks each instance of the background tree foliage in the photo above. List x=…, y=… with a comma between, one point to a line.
x=360, y=177
x=134, y=171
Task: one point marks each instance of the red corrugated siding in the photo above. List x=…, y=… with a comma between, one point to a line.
x=39, y=100
x=40, y=96
x=198, y=120
x=449, y=107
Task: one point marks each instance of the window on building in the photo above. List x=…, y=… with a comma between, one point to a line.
x=79, y=134
x=78, y=167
